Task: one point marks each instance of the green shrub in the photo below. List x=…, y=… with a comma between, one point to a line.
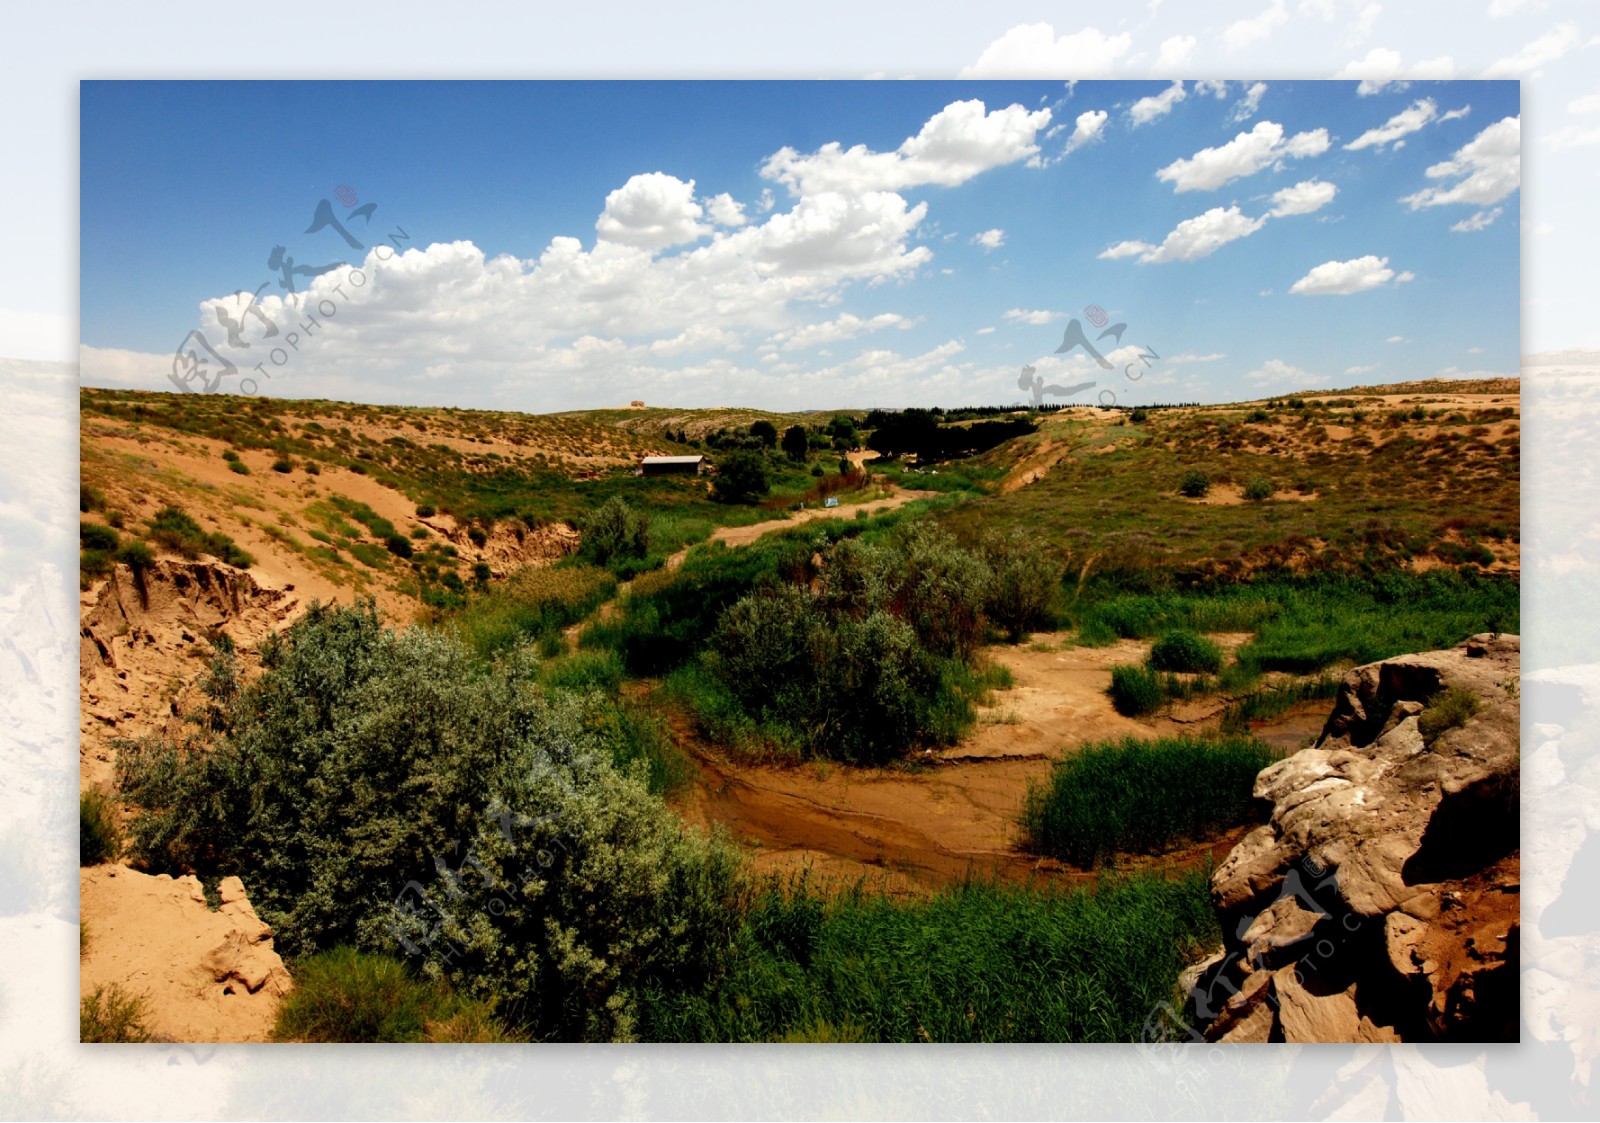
x=283, y=464
x=795, y=443
x=1134, y=795
x=239, y=466
x=1449, y=709
x=111, y=1015
x=1259, y=415
x=346, y=995
x=1139, y=416
x=94, y=536
x=388, y=791
x=1026, y=580
x=1185, y=651
x=614, y=532
x=942, y=589
x=136, y=556
x=741, y=476
x=1194, y=485
x=90, y=498
x=92, y=565
x=99, y=835
x=870, y=663
x=398, y=545
x=1258, y=489
x=174, y=529
x=425, y=511
x=1136, y=690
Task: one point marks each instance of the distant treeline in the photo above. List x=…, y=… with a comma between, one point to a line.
x=919, y=431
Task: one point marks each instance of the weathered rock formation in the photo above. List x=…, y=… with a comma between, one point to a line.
x=509, y=545
x=1381, y=900
x=144, y=638
x=205, y=975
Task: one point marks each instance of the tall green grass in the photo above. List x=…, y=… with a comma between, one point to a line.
x=1303, y=625
x=1263, y=705
x=346, y=995
x=978, y=962
x=1136, y=690
x=1132, y=795
x=534, y=604
x=99, y=834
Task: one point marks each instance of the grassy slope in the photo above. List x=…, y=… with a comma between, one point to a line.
x=1392, y=489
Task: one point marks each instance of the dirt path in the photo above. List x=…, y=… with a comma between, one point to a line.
x=744, y=535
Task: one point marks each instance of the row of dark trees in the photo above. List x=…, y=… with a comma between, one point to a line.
x=919, y=432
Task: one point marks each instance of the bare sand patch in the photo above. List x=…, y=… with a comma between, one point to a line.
x=205, y=976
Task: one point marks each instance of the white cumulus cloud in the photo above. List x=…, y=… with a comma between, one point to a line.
x=724, y=210
x=1175, y=52
x=842, y=327
x=1034, y=317
x=991, y=239
x=652, y=211
x=1248, y=32
x=1545, y=49
x=1383, y=67
x=1277, y=373
x=1303, y=198
x=1402, y=124
x=1486, y=169
x=959, y=142
x=1246, y=154
x=1033, y=50
x=1193, y=238
x=1481, y=220
x=1090, y=127
x=1342, y=278
x=1156, y=106
x=1245, y=108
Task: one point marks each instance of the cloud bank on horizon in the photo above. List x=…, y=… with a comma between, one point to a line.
x=925, y=268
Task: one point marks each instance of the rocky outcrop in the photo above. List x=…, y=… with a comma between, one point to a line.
x=1381, y=900
x=143, y=639
x=206, y=975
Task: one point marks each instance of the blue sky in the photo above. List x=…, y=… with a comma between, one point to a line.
x=799, y=245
